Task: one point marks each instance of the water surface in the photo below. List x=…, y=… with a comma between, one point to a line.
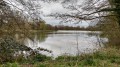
x=67, y=42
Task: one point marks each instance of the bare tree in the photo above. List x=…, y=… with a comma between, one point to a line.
x=89, y=10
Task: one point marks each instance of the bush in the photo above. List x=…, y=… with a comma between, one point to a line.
x=8, y=47
x=40, y=57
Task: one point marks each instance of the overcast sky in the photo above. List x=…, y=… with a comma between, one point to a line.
x=53, y=7
x=56, y=7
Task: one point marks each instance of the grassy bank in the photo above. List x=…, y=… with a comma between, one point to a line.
x=107, y=57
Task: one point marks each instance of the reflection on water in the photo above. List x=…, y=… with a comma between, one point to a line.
x=66, y=42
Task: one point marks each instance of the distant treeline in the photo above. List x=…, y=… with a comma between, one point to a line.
x=43, y=26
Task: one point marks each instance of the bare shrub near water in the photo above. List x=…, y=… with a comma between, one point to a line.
x=111, y=30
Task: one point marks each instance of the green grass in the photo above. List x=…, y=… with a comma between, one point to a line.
x=107, y=57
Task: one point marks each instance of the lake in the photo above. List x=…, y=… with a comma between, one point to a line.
x=63, y=42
